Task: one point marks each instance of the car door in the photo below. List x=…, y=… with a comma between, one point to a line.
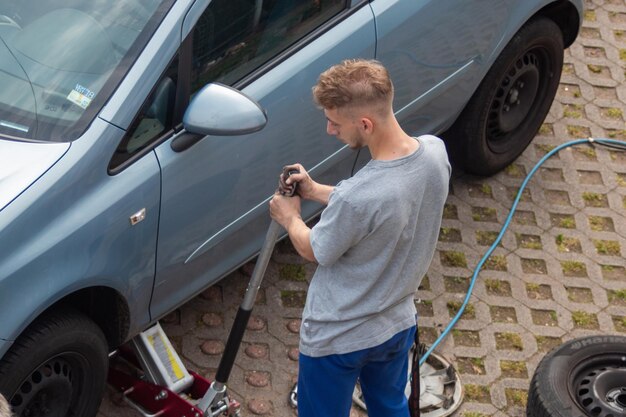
x=214, y=209
x=438, y=51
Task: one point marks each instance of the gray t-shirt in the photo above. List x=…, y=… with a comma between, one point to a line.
x=374, y=243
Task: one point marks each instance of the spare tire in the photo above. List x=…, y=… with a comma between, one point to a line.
x=582, y=377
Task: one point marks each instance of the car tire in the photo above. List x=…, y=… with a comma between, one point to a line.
x=583, y=377
x=511, y=102
x=57, y=367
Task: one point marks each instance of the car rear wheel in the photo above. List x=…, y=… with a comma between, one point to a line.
x=56, y=368
x=511, y=102
x=583, y=377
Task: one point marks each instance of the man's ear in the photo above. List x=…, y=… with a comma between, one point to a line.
x=366, y=125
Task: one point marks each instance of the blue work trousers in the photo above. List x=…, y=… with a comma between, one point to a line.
x=325, y=384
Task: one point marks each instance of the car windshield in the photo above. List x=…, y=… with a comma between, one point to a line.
x=61, y=59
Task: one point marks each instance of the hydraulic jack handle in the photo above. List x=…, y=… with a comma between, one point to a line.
x=214, y=397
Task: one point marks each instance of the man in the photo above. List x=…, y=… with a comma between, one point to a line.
x=373, y=243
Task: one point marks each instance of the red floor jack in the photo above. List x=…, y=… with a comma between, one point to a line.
x=153, y=379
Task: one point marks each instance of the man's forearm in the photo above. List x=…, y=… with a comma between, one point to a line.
x=321, y=193
x=300, y=235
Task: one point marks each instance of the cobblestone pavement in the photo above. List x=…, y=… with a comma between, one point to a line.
x=559, y=273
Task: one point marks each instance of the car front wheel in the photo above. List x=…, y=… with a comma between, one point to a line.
x=56, y=368
x=511, y=102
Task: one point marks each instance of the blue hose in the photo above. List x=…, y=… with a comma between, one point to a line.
x=608, y=142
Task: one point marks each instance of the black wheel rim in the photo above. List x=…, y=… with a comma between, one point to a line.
x=599, y=386
x=515, y=102
x=51, y=390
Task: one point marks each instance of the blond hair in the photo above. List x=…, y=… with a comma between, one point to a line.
x=355, y=83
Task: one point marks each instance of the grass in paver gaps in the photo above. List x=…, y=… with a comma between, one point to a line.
x=516, y=170
x=601, y=224
x=542, y=149
x=621, y=179
x=568, y=69
x=425, y=284
x=612, y=113
x=574, y=269
x=578, y=132
x=525, y=218
x=590, y=15
x=590, y=33
x=427, y=335
x=534, y=266
x=498, y=287
x=528, y=241
x=595, y=199
x=472, y=366
x=486, y=238
x=469, y=313
x=596, y=69
x=513, y=369
x=477, y=393
x=613, y=272
x=565, y=221
x=456, y=284
x=546, y=130
x=558, y=197
x=469, y=338
x=544, y=317
x=449, y=234
x=617, y=297
x=453, y=259
x=480, y=190
x=622, y=54
x=620, y=323
x=615, y=134
x=538, y=291
x=503, y=314
x=552, y=174
x=516, y=397
x=547, y=343
x=291, y=272
x=474, y=414
x=624, y=202
x=450, y=212
x=495, y=263
x=585, y=151
x=590, y=177
x=484, y=214
x=620, y=35
x=293, y=298
x=425, y=308
x=607, y=247
x=575, y=111
x=585, y=320
x=579, y=295
x=567, y=244
x=512, y=194
x=509, y=341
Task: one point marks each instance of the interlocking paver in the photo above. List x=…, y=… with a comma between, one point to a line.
x=559, y=272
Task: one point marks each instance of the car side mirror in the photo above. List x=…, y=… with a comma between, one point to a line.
x=219, y=110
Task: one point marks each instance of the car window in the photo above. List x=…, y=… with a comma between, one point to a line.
x=60, y=60
x=154, y=119
x=234, y=37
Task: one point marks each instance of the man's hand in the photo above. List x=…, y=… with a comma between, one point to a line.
x=285, y=209
x=307, y=188
x=286, y=212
